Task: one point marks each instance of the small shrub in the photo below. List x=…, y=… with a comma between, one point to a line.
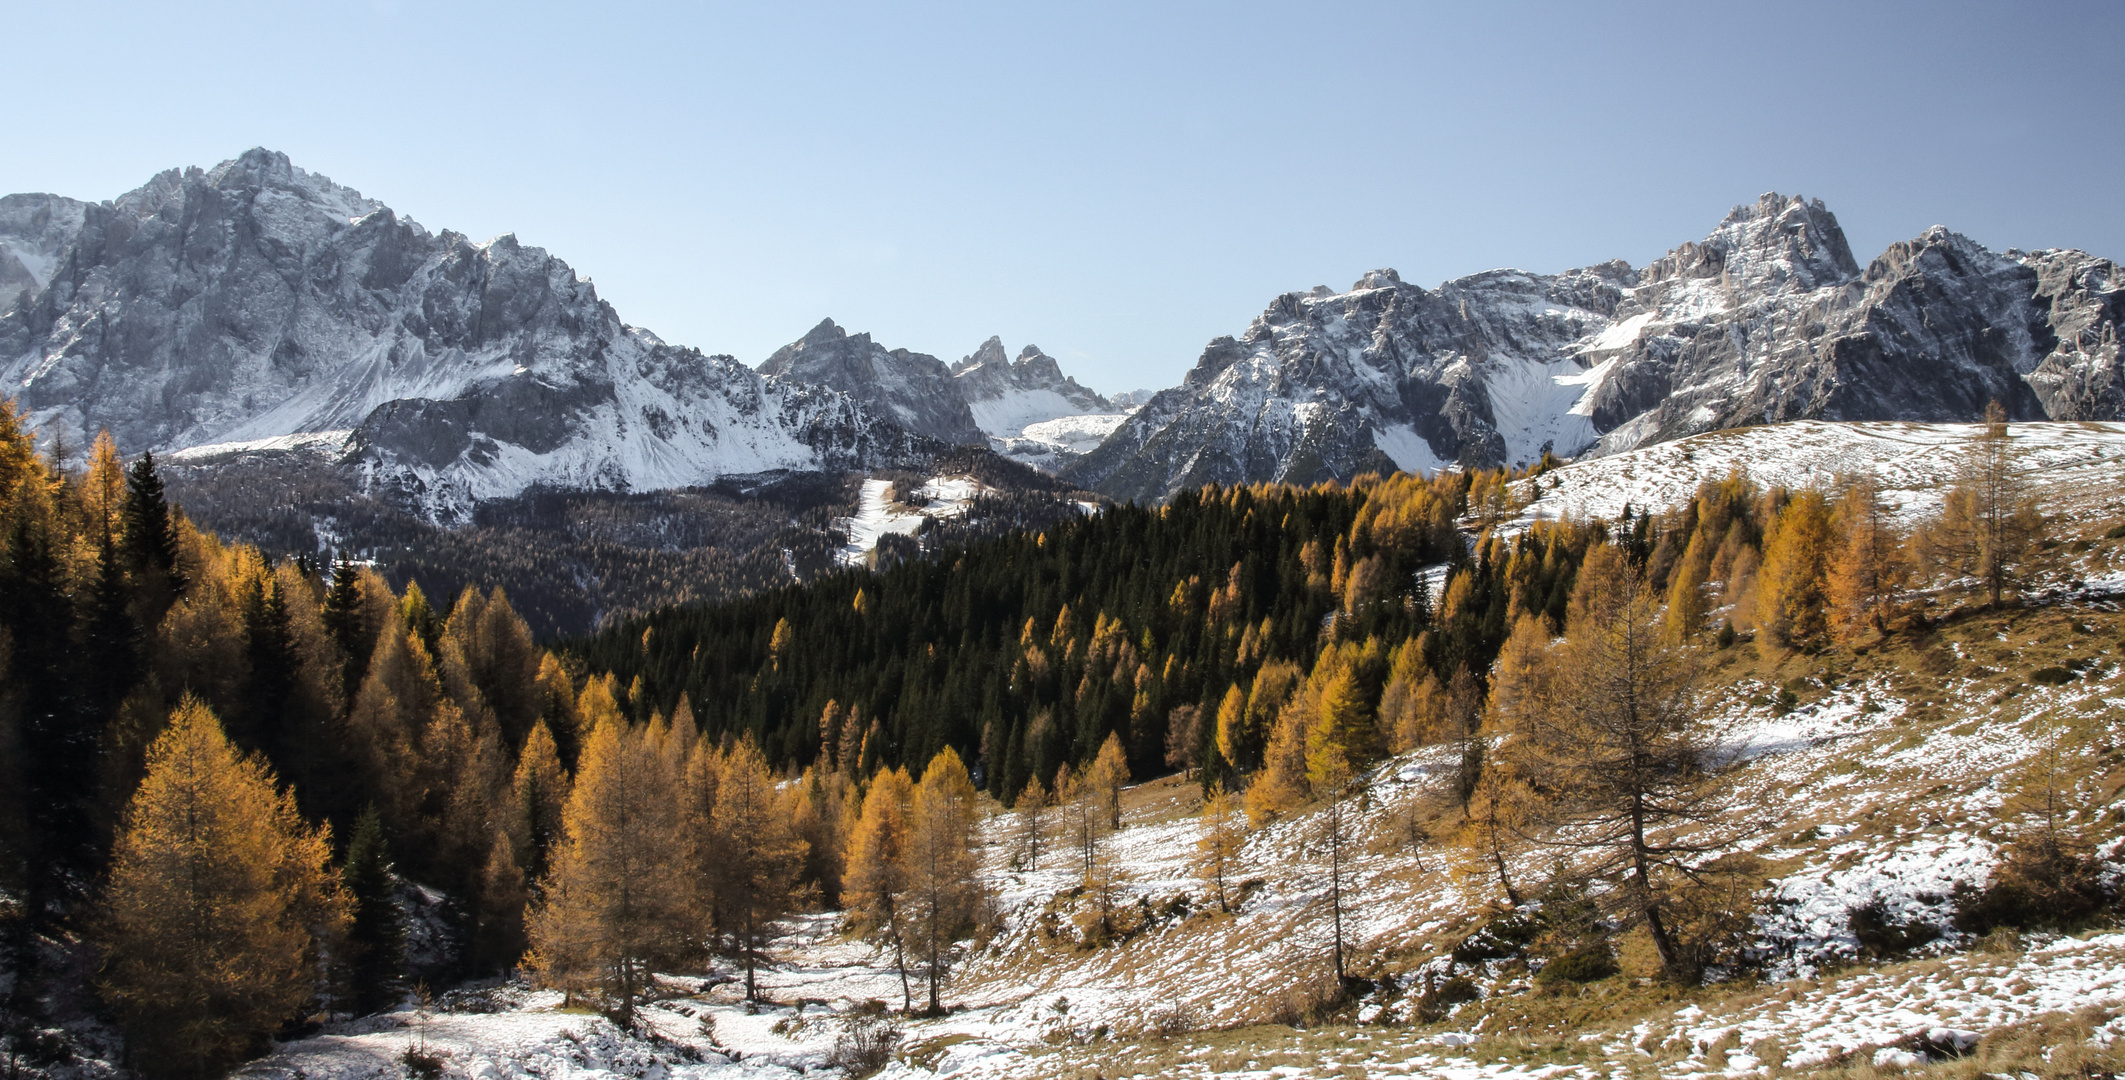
x=2051, y=676
x=866, y=1042
x=1503, y=937
x=422, y=1065
x=2115, y=532
x=1881, y=936
x=2044, y=881
x=1174, y=1019
x=1437, y=1002
x=1589, y=963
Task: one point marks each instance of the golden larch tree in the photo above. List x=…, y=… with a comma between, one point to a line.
x=616, y=899
x=1867, y=570
x=877, y=881
x=219, y=902
x=1790, y=602
x=1108, y=774
x=754, y=875
x=1622, y=775
x=1989, y=521
x=943, y=895
x=1217, y=850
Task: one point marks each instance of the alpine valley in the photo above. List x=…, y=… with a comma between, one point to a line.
x=1714, y=669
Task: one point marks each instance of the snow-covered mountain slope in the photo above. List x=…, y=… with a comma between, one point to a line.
x=1767, y=319
x=914, y=389
x=255, y=301
x=34, y=231
x=1050, y=444
x=2075, y=467
x=1032, y=412
x=1008, y=395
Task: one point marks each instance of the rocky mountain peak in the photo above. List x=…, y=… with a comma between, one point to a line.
x=1384, y=278
x=1764, y=320
x=253, y=303
x=988, y=352
x=1780, y=243
x=913, y=389
x=34, y=230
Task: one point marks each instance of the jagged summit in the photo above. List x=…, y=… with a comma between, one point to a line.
x=914, y=389
x=1767, y=318
x=1778, y=243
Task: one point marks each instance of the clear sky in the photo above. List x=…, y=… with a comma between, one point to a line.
x=1117, y=183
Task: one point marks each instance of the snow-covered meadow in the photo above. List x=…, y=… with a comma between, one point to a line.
x=2076, y=465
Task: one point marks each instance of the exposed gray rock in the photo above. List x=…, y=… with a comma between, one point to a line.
x=986, y=379
x=914, y=389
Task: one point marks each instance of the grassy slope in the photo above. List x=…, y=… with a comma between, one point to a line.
x=1889, y=771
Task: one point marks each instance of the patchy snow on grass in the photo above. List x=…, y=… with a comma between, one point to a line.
x=877, y=514
x=1871, y=788
x=2077, y=465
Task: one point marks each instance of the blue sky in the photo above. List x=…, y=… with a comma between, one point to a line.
x=1117, y=183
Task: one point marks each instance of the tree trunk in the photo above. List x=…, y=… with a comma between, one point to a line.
x=745, y=945
x=1505, y=877
x=1335, y=877
x=900, y=963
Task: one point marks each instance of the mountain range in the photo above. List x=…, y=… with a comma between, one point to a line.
x=256, y=306
x=1767, y=319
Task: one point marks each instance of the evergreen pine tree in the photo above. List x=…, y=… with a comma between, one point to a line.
x=151, y=540
x=269, y=680
x=59, y=742
x=538, y=794
x=346, y=626
x=372, y=959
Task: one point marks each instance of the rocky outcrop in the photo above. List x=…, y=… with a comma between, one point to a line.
x=1008, y=395
x=34, y=232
